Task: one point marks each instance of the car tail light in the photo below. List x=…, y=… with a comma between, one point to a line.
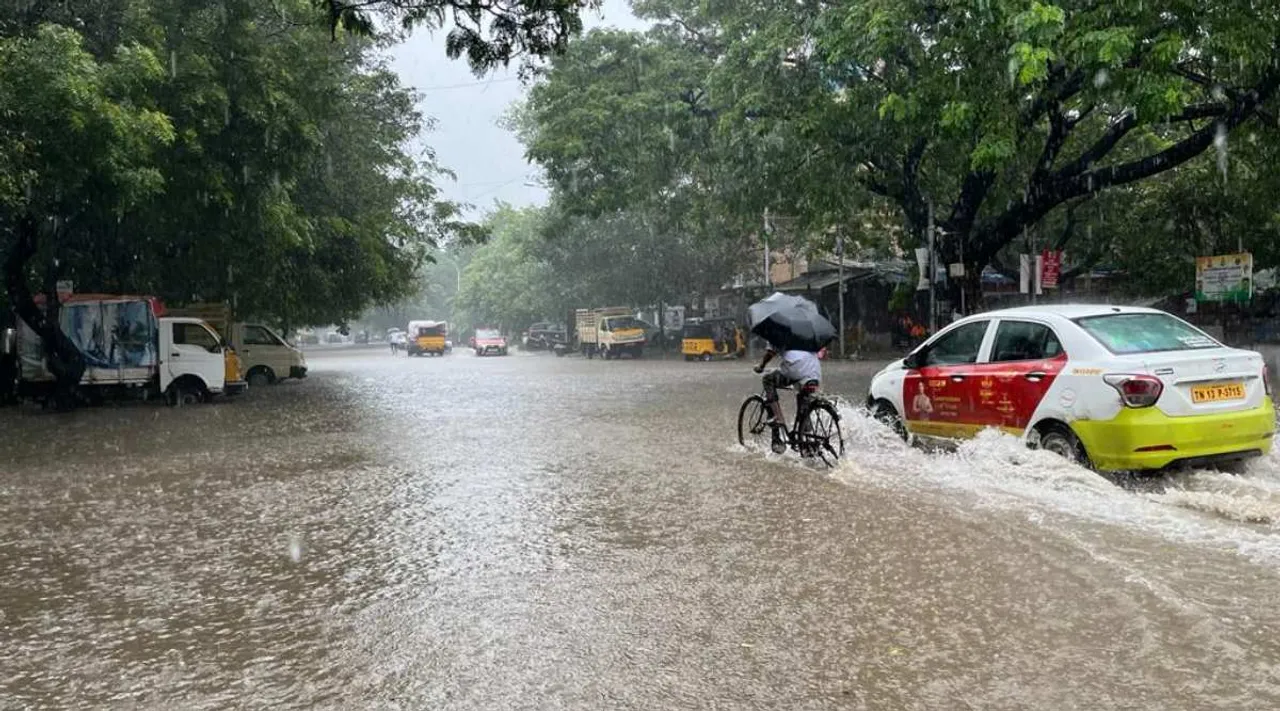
x=1136, y=390
x=1266, y=379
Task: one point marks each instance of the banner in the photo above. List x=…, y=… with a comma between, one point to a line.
x=922, y=261
x=1024, y=274
x=1051, y=272
x=1227, y=277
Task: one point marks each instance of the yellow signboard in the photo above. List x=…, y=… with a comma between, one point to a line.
x=1227, y=277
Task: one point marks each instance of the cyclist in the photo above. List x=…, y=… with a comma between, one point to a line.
x=798, y=367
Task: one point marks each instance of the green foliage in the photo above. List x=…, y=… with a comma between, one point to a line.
x=1002, y=114
x=487, y=34
x=234, y=151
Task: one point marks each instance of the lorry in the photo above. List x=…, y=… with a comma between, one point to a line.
x=132, y=348
x=609, y=332
x=267, y=358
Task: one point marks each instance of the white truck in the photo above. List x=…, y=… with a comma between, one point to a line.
x=265, y=356
x=609, y=332
x=131, y=348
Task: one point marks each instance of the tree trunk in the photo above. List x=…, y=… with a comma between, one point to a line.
x=62, y=357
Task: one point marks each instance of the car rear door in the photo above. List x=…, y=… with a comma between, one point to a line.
x=938, y=396
x=1025, y=358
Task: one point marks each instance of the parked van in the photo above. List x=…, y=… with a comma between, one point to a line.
x=265, y=357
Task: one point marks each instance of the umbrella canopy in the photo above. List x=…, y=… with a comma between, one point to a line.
x=791, y=323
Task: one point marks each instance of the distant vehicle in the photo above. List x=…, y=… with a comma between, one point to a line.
x=427, y=338
x=1115, y=388
x=266, y=356
x=489, y=341
x=335, y=337
x=544, y=336
x=133, y=348
x=362, y=338
x=712, y=338
x=609, y=332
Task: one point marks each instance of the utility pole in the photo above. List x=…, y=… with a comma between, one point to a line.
x=840, y=253
x=933, y=277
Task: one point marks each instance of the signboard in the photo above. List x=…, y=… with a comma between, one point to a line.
x=1227, y=277
x=66, y=288
x=957, y=270
x=1051, y=271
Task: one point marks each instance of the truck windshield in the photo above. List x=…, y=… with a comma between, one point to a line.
x=194, y=334
x=1125, y=334
x=622, y=323
x=431, y=331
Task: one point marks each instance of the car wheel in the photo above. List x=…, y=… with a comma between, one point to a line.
x=706, y=357
x=887, y=415
x=1060, y=440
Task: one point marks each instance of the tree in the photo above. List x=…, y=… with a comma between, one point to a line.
x=75, y=151
x=488, y=33
x=998, y=113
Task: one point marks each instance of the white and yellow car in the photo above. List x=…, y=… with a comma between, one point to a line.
x=1116, y=388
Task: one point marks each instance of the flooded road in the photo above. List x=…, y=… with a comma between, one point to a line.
x=533, y=532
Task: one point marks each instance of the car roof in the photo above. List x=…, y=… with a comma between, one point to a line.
x=1067, y=311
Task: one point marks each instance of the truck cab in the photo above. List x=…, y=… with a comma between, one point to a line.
x=193, y=363
x=266, y=357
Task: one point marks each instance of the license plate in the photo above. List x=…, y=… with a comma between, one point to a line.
x=1217, y=393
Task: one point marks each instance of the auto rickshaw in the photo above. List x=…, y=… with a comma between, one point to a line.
x=426, y=338
x=711, y=339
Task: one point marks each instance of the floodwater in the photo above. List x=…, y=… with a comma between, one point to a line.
x=534, y=532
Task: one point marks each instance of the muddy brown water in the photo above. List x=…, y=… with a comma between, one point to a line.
x=533, y=532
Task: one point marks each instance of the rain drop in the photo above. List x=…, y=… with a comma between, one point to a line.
x=1218, y=93
x=173, y=64
x=1102, y=78
x=295, y=548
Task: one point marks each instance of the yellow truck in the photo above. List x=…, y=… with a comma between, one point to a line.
x=609, y=332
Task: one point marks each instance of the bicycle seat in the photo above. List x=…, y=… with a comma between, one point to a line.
x=810, y=386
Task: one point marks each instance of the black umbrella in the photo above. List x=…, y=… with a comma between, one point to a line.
x=791, y=323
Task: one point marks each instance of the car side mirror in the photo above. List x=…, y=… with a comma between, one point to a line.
x=914, y=360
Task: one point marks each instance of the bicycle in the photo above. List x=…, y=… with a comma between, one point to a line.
x=814, y=434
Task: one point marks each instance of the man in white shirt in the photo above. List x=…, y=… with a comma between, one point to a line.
x=798, y=367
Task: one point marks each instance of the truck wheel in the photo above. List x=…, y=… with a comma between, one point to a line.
x=183, y=394
x=706, y=357
x=261, y=377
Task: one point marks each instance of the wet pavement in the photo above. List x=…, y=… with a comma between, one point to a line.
x=534, y=532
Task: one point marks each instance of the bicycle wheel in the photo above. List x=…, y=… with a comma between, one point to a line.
x=753, y=423
x=820, y=434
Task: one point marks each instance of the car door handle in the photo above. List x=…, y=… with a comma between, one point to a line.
x=1035, y=377
x=175, y=355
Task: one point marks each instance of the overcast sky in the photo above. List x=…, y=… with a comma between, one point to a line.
x=487, y=159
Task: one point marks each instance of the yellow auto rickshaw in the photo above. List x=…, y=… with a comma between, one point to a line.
x=711, y=339
x=426, y=338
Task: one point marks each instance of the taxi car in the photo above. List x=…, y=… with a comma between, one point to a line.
x=1112, y=387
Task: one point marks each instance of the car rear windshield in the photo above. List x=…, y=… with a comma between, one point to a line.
x=487, y=333
x=1124, y=334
